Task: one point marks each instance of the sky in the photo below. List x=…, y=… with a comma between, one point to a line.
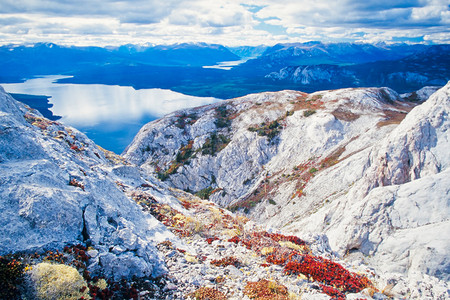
x=226, y=22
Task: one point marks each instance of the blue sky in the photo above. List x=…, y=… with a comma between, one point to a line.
x=228, y=22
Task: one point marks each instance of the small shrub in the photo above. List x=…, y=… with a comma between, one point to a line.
x=316, y=97
x=193, y=226
x=235, y=240
x=266, y=290
x=292, y=246
x=309, y=112
x=332, y=292
x=184, y=153
x=222, y=123
x=212, y=239
x=271, y=201
x=267, y=250
x=270, y=130
x=58, y=281
x=182, y=158
x=222, y=117
x=185, y=119
x=11, y=275
x=76, y=183
x=163, y=176
x=204, y=193
x=313, y=170
x=280, y=237
x=226, y=261
x=206, y=293
x=214, y=144
x=328, y=272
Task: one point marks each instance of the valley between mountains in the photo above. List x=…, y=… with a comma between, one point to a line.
x=340, y=194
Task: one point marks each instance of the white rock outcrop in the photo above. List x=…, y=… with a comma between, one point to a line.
x=361, y=167
x=395, y=209
x=343, y=118
x=57, y=189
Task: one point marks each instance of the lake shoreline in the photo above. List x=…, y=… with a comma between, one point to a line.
x=39, y=102
x=110, y=115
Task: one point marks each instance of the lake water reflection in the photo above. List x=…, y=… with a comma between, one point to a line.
x=110, y=115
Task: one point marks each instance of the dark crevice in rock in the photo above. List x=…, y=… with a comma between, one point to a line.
x=112, y=222
x=84, y=232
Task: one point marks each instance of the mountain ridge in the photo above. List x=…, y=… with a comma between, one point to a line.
x=80, y=221
x=318, y=167
x=353, y=164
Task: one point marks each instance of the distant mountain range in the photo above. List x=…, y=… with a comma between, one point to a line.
x=426, y=67
x=19, y=61
x=245, y=52
x=308, y=66
x=313, y=53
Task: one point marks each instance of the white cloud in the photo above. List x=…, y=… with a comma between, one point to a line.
x=231, y=22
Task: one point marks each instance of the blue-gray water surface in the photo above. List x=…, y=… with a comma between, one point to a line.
x=109, y=115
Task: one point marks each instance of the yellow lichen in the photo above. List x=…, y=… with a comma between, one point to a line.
x=232, y=232
x=58, y=281
x=190, y=258
x=194, y=226
x=101, y=284
x=267, y=250
x=293, y=246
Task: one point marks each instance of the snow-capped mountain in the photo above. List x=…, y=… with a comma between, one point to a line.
x=313, y=53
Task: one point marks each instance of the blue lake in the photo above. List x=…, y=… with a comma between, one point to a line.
x=109, y=115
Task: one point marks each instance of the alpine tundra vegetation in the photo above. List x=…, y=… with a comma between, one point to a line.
x=334, y=194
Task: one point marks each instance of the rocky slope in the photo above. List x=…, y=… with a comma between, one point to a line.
x=394, y=192
x=233, y=146
x=363, y=167
x=363, y=183
x=79, y=221
x=58, y=188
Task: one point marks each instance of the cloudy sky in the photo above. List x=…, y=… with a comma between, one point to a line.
x=228, y=22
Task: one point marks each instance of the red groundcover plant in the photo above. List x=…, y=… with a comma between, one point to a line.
x=335, y=280
x=327, y=272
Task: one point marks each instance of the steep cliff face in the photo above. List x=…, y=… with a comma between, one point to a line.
x=99, y=215
x=390, y=201
x=58, y=188
x=365, y=168
x=232, y=147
